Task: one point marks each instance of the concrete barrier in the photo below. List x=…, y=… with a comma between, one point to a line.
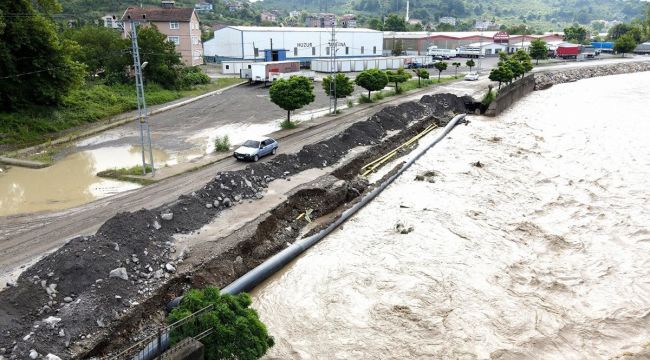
x=186, y=349
x=509, y=94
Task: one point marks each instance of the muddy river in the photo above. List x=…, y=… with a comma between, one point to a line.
x=542, y=251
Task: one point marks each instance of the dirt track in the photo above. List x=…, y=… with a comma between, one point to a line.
x=23, y=238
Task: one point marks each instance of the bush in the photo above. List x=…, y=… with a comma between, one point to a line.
x=488, y=98
x=364, y=99
x=286, y=124
x=237, y=333
x=191, y=76
x=222, y=143
x=350, y=104
x=378, y=96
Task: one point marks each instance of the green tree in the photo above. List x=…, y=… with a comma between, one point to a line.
x=375, y=24
x=398, y=77
x=101, y=49
x=343, y=87
x=292, y=94
x=394, y=22
x=237, y=333
x=36, y=66
x=501, y=74
x=470, y=64
x=524, y=59
x=372, y=80
x=456, y=65
x=398, y=49
x=440, y=66
x=575, y=34
x=624, y=44
x=421, y=74
x=163, y=62
x=516, y=67
x=538, y=50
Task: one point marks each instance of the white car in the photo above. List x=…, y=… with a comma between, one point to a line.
x=254, y=149
x=473, y=76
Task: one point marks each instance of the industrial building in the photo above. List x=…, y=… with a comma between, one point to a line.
x=417, y=43
x=290, y=43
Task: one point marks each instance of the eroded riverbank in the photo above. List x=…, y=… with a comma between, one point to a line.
x=539, y=250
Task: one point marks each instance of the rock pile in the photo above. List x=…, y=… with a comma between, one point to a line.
x=547, y=79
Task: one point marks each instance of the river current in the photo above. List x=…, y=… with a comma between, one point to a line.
x=542, y=251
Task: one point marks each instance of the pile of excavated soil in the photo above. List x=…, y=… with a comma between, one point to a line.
x=67, y=302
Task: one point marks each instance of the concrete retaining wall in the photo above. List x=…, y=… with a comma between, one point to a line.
x=509, y=94
x=187, y=349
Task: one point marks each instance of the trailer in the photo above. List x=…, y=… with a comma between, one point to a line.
x=604, y=46
x=437, y=53
x=469, y=51
x=567, y=51
x=361, y=64
x=261, y=71
x=235, y=67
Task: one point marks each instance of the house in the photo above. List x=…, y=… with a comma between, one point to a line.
x=485, y=25
x=294, y=14
x=180, y=25
x=203, y=7
x=109, y=22
x=234, y=6
x=321, y=20
x=448, y=20
x=349, y=21
x=268, y=16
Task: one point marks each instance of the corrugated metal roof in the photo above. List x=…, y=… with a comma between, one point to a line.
x=426, y=34
x=300, y=29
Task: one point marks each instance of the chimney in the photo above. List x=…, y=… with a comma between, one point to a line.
x=167, y=4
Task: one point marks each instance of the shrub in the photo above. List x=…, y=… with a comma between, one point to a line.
x=222, y=143
x=488, y=98
x=350, y=103
x=364, y=99
x=378, y=96
x=286, y=124
x=237, y=333
x=191, y=76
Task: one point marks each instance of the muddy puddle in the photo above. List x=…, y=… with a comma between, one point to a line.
x=70, y=181
x=530, y=241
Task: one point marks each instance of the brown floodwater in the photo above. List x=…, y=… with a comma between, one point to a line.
x=542, y=252
x=69, y=182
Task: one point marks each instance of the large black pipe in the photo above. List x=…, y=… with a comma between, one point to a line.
x=269, y=267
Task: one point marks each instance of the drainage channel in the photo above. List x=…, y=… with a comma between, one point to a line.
x=269, y=267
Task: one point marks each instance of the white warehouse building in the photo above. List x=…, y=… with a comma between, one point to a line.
x=257, y=43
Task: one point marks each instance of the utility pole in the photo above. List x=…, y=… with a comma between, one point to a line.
x=480, y=47
x=332, y=72
x=142, y=105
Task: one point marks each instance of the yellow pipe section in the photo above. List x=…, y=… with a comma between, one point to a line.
x=376, y=163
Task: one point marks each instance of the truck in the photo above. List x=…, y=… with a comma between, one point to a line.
x=444, y=54
x=603, y=46
x=589, y=51
x=469, y=51
x=567, y=51
x=268, y=70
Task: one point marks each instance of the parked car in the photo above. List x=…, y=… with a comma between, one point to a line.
x=255, y=149
x=414, y=65
x=473, y=76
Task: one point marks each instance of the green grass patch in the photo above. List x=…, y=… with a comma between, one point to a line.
x=86, y=105
x=127, y=174
x=364, y=99
x=378, y=96
x=287, y=125
x=222, y=143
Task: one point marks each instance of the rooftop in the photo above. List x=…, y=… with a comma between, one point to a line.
x=159, y=14
x=298, y=29
x=449, y=34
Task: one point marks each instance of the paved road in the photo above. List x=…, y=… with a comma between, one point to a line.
x=24, y=237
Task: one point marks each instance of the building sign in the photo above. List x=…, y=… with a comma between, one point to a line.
x=338, y=44
x=501, y=37
x=304, y=45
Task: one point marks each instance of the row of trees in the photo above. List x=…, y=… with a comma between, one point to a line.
x=511, y=67
x=40, y=65
x=294, y=93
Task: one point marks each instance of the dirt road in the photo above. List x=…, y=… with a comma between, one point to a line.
x=24, y=238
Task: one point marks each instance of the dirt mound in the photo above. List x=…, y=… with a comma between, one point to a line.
x=94, y=283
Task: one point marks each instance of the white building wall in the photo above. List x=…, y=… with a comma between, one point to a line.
x=228, y=42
